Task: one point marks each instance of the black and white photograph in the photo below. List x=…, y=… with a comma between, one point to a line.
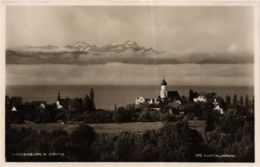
x=130, y=83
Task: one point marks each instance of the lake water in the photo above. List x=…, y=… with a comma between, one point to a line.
x=107, y=96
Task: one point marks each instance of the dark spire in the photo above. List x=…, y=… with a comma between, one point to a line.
x=163, y=82
x=92, y=94
x=59, y=96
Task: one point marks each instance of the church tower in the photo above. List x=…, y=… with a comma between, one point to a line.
x=163, y=92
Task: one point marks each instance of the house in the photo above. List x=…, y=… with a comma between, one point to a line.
x=141, y=100
x=200, y=99
x=217, y=107
x=59, y=106
x=14, y=109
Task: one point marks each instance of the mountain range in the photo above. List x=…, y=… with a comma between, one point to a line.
x=128, y=52
x=117, y=47
x=86, y=47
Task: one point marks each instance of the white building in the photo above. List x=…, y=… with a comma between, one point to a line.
x=217, y=107
x=59, y=106
x=139, y=100
x=163, y=91
x=14, y=109
x=200, y=99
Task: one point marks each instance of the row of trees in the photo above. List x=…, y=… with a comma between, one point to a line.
x=234, y=101
x=130, y=113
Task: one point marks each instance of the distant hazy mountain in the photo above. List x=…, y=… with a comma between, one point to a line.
x=129, y=52
x=117, y=47
x=79, y=53
x=82, y=46
x=85, y=47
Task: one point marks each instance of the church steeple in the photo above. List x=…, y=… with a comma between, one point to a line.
x=164, y=82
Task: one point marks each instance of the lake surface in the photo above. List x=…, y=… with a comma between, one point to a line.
x=108, y=96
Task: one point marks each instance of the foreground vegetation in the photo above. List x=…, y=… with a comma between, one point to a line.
x=174, y=142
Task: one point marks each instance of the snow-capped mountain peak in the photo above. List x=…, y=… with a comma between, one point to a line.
x=120, y=47
x=82, y=46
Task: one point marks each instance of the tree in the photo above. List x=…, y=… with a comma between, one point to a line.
x=88, y=104
x=191, y=95
x=149, y=116
x=234, y=135
x=125, y=147
x=210, y=125
x=123, y=115
x=92, y=95
x=180, y=143
x=103, y=148
x=228, y=101
x=80, y=143
x=247, y=101
x=234, y=100
x=58, y=140
x=59, y=97
x=232, y=121
x=241, y=101
x=78, y=104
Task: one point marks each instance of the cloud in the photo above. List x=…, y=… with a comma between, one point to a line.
x=234, y=48
x=128, y=57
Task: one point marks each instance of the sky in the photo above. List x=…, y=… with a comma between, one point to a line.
x=172, y=30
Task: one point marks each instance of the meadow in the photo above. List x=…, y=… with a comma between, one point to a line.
x=109, y=128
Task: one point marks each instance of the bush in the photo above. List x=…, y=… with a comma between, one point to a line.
x=80, y=143
x=179, y=143
x=167, y=117
x=149, y=116
x=103, y=148
x=123, y=115
x=125, y=147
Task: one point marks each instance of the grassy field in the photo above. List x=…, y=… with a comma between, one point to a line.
x=110, y=128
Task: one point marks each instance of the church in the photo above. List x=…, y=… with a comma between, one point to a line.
x=165, y=96
x=168, y=96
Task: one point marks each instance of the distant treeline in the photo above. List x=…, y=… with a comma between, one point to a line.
x=84, y=110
